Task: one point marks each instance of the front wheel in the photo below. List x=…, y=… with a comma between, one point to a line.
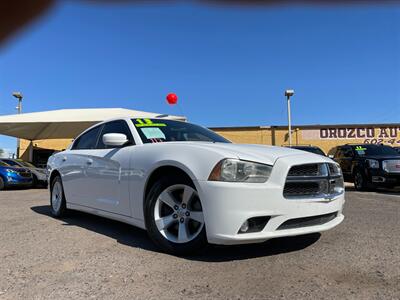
x=2, y=184
x=360, y=182
x=57, y=198
x=174, y=216
x=34, y=181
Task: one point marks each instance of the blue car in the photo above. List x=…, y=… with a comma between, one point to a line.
x=14, y=176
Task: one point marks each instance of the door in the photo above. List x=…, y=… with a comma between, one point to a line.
x=74, y=165
x=108, y=172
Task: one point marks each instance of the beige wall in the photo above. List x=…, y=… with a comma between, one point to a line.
x=54, y=144
x=324, y=137
x=247, y=135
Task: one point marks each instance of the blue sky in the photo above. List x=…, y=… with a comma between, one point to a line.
x=228, y=65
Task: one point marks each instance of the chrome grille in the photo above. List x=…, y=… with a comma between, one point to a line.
x=302, y=188
x=313, y=180
x=304, y=170
x=391, y=166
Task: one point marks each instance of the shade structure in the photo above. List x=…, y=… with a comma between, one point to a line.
x=65, y=123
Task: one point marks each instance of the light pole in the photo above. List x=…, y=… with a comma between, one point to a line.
x=19, y=96
x=288, y=94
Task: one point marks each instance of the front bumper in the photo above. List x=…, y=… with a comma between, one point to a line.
x=16, y=180
x=226, y=206
x=380, y=178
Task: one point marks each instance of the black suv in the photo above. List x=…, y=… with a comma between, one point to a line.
x=369, y=166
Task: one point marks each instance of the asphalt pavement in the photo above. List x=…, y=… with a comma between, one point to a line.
x=84, y=256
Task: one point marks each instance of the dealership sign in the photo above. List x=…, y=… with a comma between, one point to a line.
x=389, y=135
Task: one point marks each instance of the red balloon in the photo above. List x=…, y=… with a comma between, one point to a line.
x=172, y=99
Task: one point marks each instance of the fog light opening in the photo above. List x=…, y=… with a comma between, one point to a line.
x=378, y=179
x=244, y=227
x=255, y=224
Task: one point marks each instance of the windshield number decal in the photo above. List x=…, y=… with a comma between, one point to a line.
x=360, y=148
x=148, y=123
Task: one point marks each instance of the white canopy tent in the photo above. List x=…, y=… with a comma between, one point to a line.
x=65, y=123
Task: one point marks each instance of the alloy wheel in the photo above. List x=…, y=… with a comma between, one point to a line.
x=178, y=213
x=56, y=196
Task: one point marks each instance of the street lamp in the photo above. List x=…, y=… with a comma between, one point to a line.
x=288, y=94
x=19, y=96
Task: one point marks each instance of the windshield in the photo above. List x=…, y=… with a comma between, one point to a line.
x=3, y=164
x=314, y=150
x=372, y=150
x=156, y=131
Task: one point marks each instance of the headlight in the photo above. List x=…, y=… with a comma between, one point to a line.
x=335, y=170
x=234, y=170
x=373, y=164
x=11, y=171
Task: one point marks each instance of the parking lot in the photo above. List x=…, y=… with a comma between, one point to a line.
x=84, y=256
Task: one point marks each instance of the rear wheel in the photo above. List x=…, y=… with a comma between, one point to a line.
x=57, y=198
x=174, y=216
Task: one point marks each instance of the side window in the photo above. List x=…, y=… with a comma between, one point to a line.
x=115, y=127
x=88, y=140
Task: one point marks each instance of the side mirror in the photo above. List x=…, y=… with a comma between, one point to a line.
x=331, y=156
x=114, y=139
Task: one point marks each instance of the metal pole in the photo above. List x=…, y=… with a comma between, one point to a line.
x=19, y=96
x=289, y=120
x=19, y=105
x=19, y=108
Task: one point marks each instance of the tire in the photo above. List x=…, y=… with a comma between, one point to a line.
x=174, y=216
x=57, y=198
x=34, y=181
x=2, y=184
x=360, y=182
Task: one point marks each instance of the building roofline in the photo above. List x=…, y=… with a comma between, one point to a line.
x=307, y=126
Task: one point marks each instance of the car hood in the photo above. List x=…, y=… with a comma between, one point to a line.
x=258, y=153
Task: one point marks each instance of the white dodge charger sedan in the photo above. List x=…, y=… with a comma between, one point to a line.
x=187, y=186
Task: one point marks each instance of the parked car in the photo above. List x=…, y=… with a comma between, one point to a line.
x=188, y=186
x=369, y=166
x=312, y=149
x=39, y=175
x=14, y=176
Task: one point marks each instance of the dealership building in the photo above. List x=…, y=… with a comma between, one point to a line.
x=42, y=133
x=326, y=137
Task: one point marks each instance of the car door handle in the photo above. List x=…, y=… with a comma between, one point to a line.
x=89, y=161
x=64, y=158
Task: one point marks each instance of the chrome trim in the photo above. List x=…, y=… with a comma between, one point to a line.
x=391, y=166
